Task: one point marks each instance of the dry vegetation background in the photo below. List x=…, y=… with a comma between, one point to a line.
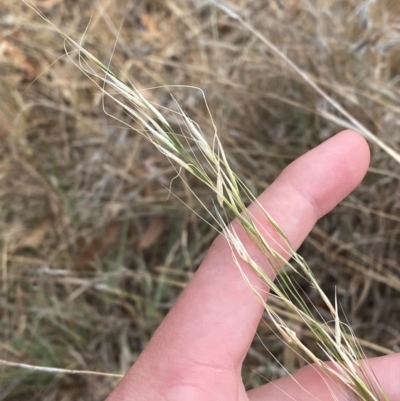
x=93, y=251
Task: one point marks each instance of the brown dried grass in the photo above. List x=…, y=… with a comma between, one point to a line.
x=87, y=270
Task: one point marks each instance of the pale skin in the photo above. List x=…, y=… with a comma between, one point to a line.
x=197, y=352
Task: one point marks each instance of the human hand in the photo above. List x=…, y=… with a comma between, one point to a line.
x=197, y=352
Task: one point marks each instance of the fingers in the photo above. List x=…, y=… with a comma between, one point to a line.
x=214, y=321
x=310, y=384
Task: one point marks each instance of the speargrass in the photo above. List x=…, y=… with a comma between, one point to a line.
x=206, y=160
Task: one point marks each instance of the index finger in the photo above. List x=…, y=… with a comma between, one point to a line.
x=214, y=321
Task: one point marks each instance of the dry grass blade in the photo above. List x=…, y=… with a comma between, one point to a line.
x=351, y=121
x=56, y=370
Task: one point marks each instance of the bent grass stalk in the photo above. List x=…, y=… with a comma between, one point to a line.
x=351, y=120
x=346, y=367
